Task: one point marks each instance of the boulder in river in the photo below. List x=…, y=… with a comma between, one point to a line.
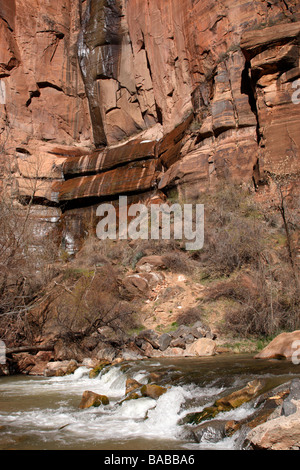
x=92, y=399
x=289, y=405
x=227, y=403
x=273, y=425
x=284, y=346
x=60, y=368
x=153, y=391
x=238, y=398
x=132, y=385
x=211, y=431
x=97, y=369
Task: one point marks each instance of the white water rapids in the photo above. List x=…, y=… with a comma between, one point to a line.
x=43, y=413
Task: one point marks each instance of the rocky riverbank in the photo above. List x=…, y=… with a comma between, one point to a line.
x=185, y=341
x=194, y=341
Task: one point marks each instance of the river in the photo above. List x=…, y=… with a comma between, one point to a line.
x=39, y=413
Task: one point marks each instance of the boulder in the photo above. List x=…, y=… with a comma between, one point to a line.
x=32, y=364
x=234, y=400
x=181, y=331
x=150, y=336
x=268, y=406
x=156, y=376
x=132, y=385
x=289, y=405
x=131, y=396
x=66, y=351
x=131, y=352
x=97, y=369
x=281, y=433
x=200, y=328
x=104, y=352
x=197, y=332
x=164, y=341
x=178, y=343
x=213, y=431
x=275, y=424
x=92, y=399
x=189, y=339
x=139, y=283
x=89, y=362
x=153, y=391
x=284, y=346
x=207, y=414
x=201, y=347
x=169, y=352
x=25, y=362
x=60, y=368
x=149, y=263
x=147, y=349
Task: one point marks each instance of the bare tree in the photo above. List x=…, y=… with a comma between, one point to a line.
x=22, y=268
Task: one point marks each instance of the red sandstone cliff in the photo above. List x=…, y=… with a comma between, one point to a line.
x=103, y=97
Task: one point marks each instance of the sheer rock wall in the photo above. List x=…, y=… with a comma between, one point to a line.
x=106, y=97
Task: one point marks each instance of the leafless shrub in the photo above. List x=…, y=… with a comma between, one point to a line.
x=244, y=237
x=190, y=316
x=89, y=300
x=238, y=244
x=177, y=262
x=265, y=302
x=25, y=266
x=234, y=232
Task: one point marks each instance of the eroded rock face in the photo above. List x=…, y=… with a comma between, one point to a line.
x=139, y=176
x=40, y=73
x=132, y=96
x=273, y=55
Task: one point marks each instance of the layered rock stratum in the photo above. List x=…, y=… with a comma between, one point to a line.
x=107, y=97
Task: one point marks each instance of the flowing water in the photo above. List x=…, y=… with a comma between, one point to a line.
x=42, y=413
